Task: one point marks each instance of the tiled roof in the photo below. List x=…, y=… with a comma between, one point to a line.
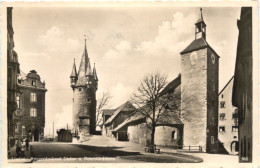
x=124, y=107
x=74, y=70
x=195, y=45
x=132, y=119
x=172, y=85
x=108, y=111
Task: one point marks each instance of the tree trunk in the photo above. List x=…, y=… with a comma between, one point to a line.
x=152, y=135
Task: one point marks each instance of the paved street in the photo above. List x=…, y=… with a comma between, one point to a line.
x=101, y=150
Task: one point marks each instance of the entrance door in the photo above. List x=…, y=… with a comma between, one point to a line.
x=36, y=135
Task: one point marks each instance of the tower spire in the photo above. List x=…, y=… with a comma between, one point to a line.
x=74, y=70
x=84, y=61
x=95, y=72
x=200, y=27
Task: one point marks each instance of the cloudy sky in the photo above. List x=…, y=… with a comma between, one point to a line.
x=125, y=43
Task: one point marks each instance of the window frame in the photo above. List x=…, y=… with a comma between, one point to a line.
x=220, y=104
x=33, y=97
x=33, y=112
x=223, y=130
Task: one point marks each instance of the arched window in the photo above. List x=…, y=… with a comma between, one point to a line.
x=33, y=112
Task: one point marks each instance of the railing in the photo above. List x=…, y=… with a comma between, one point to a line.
x=189, y=148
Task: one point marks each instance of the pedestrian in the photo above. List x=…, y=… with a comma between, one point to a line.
x=18, y=148
x=27, y=144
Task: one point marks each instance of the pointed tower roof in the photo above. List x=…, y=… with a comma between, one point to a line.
x=74, y=70
x=95, y=73
x=84, y=62
x=200, y=17
x=88, y=70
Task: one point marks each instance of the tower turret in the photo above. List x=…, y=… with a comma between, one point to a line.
x=200, y=27
x=95, y=75
x=74, y=75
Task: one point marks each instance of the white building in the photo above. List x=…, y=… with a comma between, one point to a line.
x=228, y=119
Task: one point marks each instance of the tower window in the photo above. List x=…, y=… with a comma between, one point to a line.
x=221, y=129
x=173, y=135
x=222, y=116
x=88, y=100
x=33, y=97
x=33, y=112
x=222, y=104
x=212, y=140
x=222, y=96
x=80, y=89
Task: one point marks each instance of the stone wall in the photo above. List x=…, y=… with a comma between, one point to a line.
x=163, y=135
x=194, y=97
x=81, y=106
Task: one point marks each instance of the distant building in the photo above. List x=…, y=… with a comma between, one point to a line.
x=199, y=91
x=120, y=114
x=84, y=84
x=12, y=72
x=64, y=135
x=106, y=113
x=29, y=118
x=228, y=119
x=242, y=89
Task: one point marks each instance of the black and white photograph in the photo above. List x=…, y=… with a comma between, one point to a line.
x=107, y=83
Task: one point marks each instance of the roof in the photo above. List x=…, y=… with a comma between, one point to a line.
x=137, y=118
x=226, y=85
x=196, y=45
x=172, y=85
x=108, y=111
x=124, y=107
x=74, y=70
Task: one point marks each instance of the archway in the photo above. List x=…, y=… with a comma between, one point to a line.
x=234, y=146
x=36, y=135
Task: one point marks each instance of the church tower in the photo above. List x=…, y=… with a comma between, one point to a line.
x=199, y=91
x=84, y=84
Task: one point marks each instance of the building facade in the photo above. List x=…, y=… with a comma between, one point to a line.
x=199, y=91
x=29, y=117
x=13, y=71
x=84, y=83
x=243, y=85
x=228, y=119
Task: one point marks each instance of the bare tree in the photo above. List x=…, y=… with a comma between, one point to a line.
x=155, y=104
x=102, y=103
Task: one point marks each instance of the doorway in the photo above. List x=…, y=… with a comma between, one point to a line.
x=36, y=135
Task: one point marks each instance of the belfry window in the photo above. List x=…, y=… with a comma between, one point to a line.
x=33, y=83
x=173, y=135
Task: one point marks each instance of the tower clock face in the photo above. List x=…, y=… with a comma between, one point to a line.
x=213, y=58
x=193, y=58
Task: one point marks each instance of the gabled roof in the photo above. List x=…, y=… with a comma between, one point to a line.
x=124, y=107
x=172, y=85
x=226, y=85
x=108, y=112
x=137, y=118
x=195, y=45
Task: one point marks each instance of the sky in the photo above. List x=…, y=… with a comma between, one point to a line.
x=125, y=44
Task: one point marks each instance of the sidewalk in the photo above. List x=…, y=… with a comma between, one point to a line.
x=26, y=159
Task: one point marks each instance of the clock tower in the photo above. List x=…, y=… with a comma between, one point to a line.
x=199, y=91
x=84, y=84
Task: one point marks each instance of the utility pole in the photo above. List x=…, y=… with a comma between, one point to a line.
x=67, y=127
x=53, y=130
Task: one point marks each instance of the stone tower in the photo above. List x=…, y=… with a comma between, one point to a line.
x=199, y=91
x=84, y=84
